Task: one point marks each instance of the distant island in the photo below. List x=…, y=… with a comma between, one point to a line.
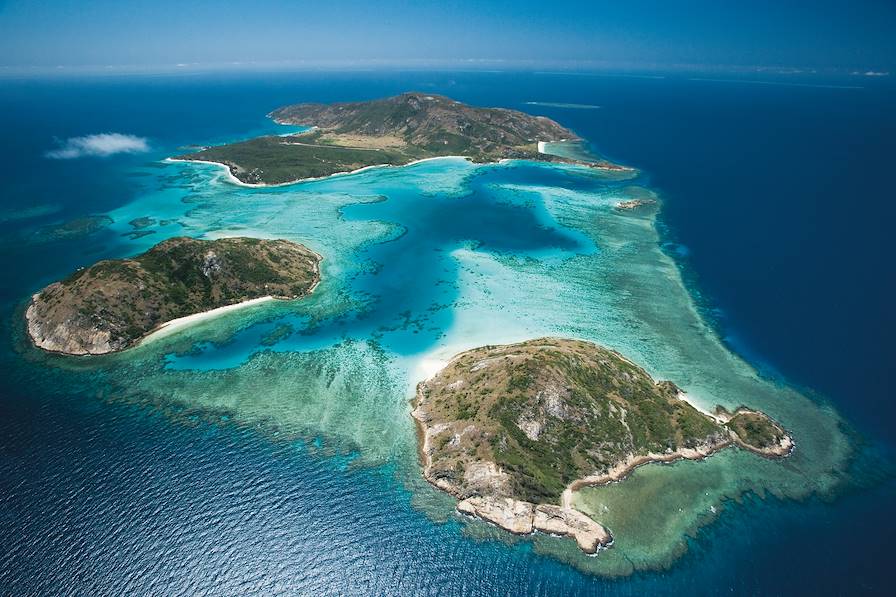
x=634, y=203
x=513, y=430
x=113, y=304
x=394, y=131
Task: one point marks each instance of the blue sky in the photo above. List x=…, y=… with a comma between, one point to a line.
x=819, y=34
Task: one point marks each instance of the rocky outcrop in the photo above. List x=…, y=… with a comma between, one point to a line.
x=634, y=203
x=523, y=518
x=568, y=522
x=780, y=449
x=755, y=431
x=510, y=514
x=68, y=336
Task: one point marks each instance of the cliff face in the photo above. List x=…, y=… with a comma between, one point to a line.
x=513, y=430
x=112, y=304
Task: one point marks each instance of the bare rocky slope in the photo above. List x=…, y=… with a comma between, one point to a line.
x=112, y=304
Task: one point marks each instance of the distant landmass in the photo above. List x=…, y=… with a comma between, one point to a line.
x=386, y=132
x=513, y=430
x=564, y=105
x=112, y=304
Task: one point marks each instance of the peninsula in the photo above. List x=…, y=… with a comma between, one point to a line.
x=394, y=131
x=511, y=431
x=113, y=304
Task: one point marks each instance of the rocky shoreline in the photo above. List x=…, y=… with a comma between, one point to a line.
x=780, y=449
x=516, y=516
x=525, y=518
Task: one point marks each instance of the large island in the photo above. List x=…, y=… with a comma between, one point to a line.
x=394, y=131
x=113, y=304
x=512, y=431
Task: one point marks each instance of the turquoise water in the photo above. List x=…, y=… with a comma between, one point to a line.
x=270, y=450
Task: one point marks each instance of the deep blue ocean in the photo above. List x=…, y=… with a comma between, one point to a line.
x=778, y=206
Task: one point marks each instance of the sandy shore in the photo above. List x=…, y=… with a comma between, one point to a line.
x=180, y=323
x=230, y=177
x=541, y=149
x=165, y=328
x=233, y=179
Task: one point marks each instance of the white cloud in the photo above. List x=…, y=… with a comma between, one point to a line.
x=101, y=145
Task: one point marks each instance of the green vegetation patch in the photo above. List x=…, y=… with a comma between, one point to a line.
x=277, y=160
x=755, y=429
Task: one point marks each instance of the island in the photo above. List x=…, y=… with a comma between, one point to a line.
x=634, y=203
x=512, y=431
x=113, y=304
x=394, y=131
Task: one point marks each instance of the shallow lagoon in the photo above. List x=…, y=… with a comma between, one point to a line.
x=425, y=261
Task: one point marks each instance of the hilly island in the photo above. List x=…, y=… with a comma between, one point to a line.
x=512, y=431
x=113, y=304
x=394, y=131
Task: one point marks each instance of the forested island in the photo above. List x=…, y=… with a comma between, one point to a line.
x=394, y=131
x=113, y=304
x=511, y=431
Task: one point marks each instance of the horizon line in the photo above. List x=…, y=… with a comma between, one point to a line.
x=560, y=67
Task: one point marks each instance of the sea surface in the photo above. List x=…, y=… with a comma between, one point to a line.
x=270, y=450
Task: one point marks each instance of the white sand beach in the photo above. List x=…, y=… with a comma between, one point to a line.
x=233, y=179
x=180, y=323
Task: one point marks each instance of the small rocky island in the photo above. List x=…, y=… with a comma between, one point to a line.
x=513, y=430
x=392, y=131
x=113, y=304
x=634, y=204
